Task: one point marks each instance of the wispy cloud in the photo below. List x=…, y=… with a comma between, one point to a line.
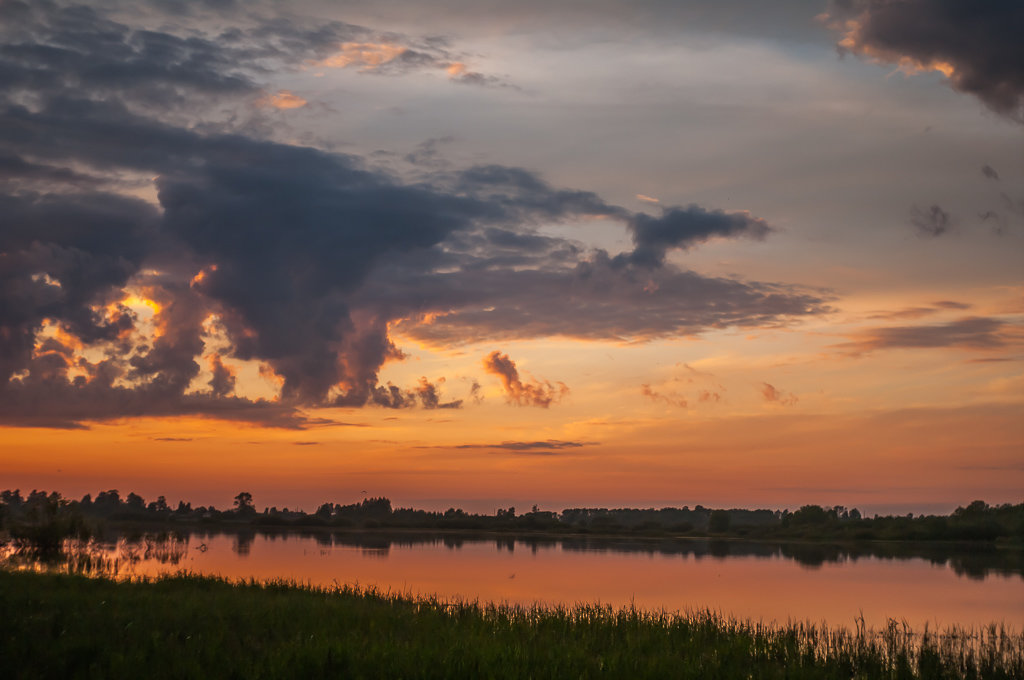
x=976, y=332
x=774, y=395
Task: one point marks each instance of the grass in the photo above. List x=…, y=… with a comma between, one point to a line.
x=70, y=626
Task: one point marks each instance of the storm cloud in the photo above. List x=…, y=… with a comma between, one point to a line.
x=976, y=45
x=307, y=260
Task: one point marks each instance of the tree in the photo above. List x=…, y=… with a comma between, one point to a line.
x=243, y=504
x=719, y=521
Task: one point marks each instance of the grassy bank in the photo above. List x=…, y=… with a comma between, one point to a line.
x=190, y=627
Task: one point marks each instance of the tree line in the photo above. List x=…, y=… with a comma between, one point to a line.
x=44, y=515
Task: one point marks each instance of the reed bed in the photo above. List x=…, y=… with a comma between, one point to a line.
x=188, y=626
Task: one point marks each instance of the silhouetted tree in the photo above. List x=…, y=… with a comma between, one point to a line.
x=243, y=504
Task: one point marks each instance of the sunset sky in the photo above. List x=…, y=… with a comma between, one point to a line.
x=480, y=253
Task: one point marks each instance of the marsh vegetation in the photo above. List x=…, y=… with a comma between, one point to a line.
x=65, y=626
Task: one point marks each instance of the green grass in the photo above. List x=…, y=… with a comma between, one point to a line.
x=67, y=626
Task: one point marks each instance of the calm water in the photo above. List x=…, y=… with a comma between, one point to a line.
x=939, y=586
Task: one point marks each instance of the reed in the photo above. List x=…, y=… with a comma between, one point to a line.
x=68, y=626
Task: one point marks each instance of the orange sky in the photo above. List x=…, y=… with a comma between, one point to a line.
x=486, y=255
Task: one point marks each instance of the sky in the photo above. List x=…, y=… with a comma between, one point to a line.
x=478, y=254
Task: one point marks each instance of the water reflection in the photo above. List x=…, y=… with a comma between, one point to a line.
x=919, y=583
x=969, y=561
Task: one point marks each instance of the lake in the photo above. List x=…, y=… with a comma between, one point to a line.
x=920, y=584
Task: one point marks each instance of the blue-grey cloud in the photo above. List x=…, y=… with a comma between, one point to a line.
x=307, y=256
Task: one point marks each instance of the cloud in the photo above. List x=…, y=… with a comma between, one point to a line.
x=933, y=221
x=686, y=227
x=989, y=172
x=670, y=399
x=598, y=299
x=776, y=396
x=283, y=99
x=426, y=394
x=223, y=381
x=391, y=57
x=970, y=332
x=430, y=397
x=311, y=261
x=529, y=393
x=921, y=311
x=976, y=45
x=172, y=439
x=543, y=448
x=647, y=199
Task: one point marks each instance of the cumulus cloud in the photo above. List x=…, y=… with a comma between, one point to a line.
x=531, y=392
x=976, y=45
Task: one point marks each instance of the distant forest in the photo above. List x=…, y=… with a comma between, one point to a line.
x=48, y=517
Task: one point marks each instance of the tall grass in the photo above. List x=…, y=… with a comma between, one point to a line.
x=187, y=626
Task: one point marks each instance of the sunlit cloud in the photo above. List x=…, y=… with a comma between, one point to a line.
x=529, y=392
x=283, y=99
x=365, y=56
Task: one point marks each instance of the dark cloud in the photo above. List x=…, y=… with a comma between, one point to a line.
x=430, y=395
x=975, y=44
x=223, y=381
x=530, y=392
x=776, y=396
x=989, y=172
x=306, y=258
x=172, y=439
x=547, y=447
x=971, y=332
x=686, y=227
x=932, y=221
x=597, y=298
x=528, y=446
x=425, y=394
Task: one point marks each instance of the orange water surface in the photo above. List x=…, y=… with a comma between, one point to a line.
x=768, y=586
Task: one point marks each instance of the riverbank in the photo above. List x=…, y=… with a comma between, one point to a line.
x=188, y=626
